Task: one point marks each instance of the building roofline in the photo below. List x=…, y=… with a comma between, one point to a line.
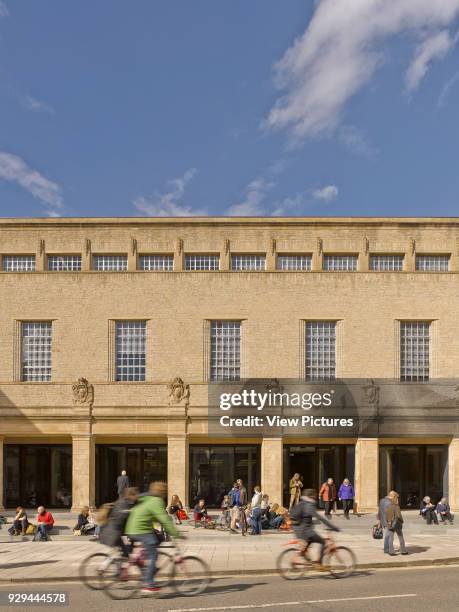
x=228, y=221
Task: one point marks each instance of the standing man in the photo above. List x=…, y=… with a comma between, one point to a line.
x=328, y=495
x=383, y=505
x=256, y=510
x=296, y=487
x=122, y=483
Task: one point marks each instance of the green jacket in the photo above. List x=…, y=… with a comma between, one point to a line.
x=148, y=509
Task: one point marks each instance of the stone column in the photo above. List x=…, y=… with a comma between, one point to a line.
x=179, y=255
x=453, y=474
x=83, y=471
x=366, y=474
x=271, y=256
x=225, y=255
x=2, y=483
x=272, y=469
x=177, y=467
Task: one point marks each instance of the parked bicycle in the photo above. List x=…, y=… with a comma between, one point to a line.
x=339, y=561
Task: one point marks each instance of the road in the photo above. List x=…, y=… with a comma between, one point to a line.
x=407, y=590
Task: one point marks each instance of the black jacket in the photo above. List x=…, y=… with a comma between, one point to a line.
x=110, y=535
x=304, y=513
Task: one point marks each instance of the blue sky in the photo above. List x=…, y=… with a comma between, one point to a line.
x=169, y=107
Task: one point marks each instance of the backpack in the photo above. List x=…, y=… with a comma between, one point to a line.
x=31, y=529
x=104, y=514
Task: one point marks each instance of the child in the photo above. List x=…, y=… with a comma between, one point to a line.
x=225, y=515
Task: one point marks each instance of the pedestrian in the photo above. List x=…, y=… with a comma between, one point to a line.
x=224, y=520
x=238, y=495
x=122, y=482
x=444, y=511
x=295, y=486
x=328, y=495
x=174, y=509
x=346, y=496
x=394, y=522
x=45, y=522
x=20, y=522
x=256, y=510
x=428, y=511
x=383, y=503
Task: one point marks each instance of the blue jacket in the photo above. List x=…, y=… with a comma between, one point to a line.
x=346, y=491
x=385, y=501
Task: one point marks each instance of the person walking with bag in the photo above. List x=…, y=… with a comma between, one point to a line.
x=346, y=496
x=394, y=521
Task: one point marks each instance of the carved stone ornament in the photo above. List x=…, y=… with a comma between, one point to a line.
x=366, y=245
x=274, y=386
x=178, y=392
x=412, y=246
x=227, y=246
x=133, y=246
x=88, y=246
x=273, y=246
x=83, y=393
x=42, y=246
x=180, y=245
x=371, y=391
x=320, y=245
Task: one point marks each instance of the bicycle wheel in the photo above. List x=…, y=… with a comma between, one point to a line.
x=286, y=566
x=124, y=579
x=342, y=562
x=192, y=576
x=92, y=570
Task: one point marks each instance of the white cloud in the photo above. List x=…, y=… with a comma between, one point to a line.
x=14, y=169
x=252, y=204
x=289, y=206
x=447, y=87
x=169, y=203
x=354, y=139
x=327, y=194
x=4, y=12
x=340, y=51
x=32, y=104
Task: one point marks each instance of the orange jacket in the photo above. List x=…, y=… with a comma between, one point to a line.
x=324, y=492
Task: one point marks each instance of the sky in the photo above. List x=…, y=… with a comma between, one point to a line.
x=175, y=108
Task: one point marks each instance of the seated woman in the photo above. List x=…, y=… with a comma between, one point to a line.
x=20, y=522
x=200, y=512
x=85, y=523
x=444, y=511
x=275, y=519
x=428, y=511
x=174, y=508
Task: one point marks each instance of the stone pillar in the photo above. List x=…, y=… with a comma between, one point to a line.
x=86, y=263
x=366, y=474
x=225, y=255
x=132, y=256
x=177, y=467
x=271, y=256
x=2, y=484
x=272, y=469
x=410, y=256
x=83, y=471
x=179, y=255
x=318, y=256
x=453, y=474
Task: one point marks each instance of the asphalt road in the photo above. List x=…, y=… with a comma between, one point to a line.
x=371, y=591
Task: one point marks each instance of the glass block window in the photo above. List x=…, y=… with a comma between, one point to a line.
x=130, y=350
x=225, y=350
x=248, y=262
x=64, y=263
x=294, y=262
x=18, y=263
x=36, y=351
x=156, y=263
x=432, y=263
x=110, y=263
x=414, y=351
x=320, y=350
x=340, y=263
x=202, y=262
x=386, y=263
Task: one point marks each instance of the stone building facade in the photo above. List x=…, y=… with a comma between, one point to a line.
x=112, y=329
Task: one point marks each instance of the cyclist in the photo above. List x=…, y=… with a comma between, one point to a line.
x=150, y=508
x=303, y=513
x=111, y=534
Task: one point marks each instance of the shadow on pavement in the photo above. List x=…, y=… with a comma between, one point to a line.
x=25, y=564
x=219, y=590
x=417, y=549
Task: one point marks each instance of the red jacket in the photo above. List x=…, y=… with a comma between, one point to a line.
x=47, y=518
x=325, y=492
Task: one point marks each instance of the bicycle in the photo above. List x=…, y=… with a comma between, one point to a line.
x=339, y=561
x=189, y=575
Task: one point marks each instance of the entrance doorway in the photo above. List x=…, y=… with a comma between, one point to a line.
x=317, y=463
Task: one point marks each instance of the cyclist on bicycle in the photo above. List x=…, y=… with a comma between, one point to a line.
x=303, y=513
x=111, y=534
x=150, y=508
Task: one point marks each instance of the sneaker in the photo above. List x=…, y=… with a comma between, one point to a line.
x=149, y=590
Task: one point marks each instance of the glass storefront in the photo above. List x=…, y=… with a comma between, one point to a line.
x=213, y=469
x=317, y=463
x=414, y=472
x=37, y=475
x=143, y=464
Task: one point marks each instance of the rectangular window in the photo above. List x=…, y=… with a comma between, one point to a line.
x=320, y=350
x=386, y=263
x=130, y=350
x=36, y=351
x=18, y=263
x=225, y=350
x=294, y=262
x=64, y=263
x=432, y=263
x=243, y=262
x=110, y=263
x=340, y=263
x=414, y=351
x=202, y=262
x=156, y=263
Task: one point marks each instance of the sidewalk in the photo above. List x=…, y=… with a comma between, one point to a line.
x=59, y=559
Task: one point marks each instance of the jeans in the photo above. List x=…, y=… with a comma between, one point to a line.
x=401, y=539
x=276, y=522
x=256, y=521
x=328, y=507
x=42, y=531
x=150, y=545
x=387, y=536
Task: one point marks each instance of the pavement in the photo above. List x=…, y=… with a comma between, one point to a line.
x=22, y=560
